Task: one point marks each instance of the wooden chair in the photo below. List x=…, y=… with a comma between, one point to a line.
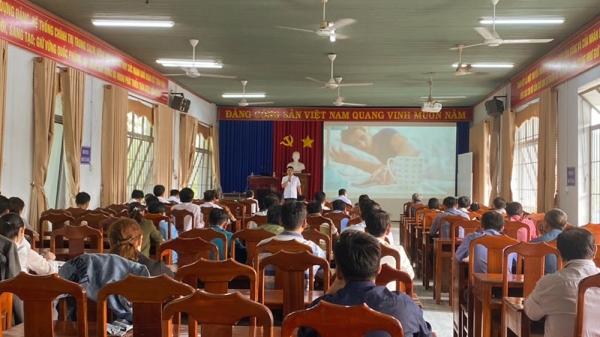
x=337, y=218
x=364, y=320
x=468, y=226
x=320, y=239
x=250, y=238
x=274, y=246
x=38, y=294
x=512, y=228
x=156, y=220
x=6, y=310
x=58, y=219
x=259, y=220
x=239, y=211
x=248, y=204
x=217, y=313
x=205, y=214
x=33, y=238
x=594, y=229
x=596, y=257
x=92, y=219
x=97, y=211
x=77, y=236
x=147, y=295
x=118, y=208
x=354, y=221
x=188, y=250
x=389, y=251
x=390, y=274
x=208, y=234
x=321, y=224
x=179, y=216
x=424, y=248
x=537, y=219
x=585, y=284
x=292, y=267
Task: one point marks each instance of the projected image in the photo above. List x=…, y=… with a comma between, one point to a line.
x=390, y=161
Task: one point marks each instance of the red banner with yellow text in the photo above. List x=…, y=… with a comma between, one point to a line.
x=578, y=54
x=344, y=114
x=30, y=27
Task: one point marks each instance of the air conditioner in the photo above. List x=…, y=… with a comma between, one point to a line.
x=430, y=106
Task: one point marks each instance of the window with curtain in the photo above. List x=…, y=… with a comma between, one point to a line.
x=525, y=165
x=56, y=181
x=202, y=177
x=140, y=153
x=591, y=108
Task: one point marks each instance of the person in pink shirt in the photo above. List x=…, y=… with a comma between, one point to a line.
x=514, y=210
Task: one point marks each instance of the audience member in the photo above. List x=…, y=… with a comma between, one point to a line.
x=555, y=295
x=217, y=221
x=82, y=201
x=440, y=227
x=367, y=207
x=357, y=258
x=250, y=196
x=463, y=204
x=273, y=224
x=151, y=236
x=475, y=207
x=514, y=210
x=361, y=198
x=433, y=204
x=125, y=237
x=493, y=224
x=157, y=207
x=17, y=205
x=174, y=197
x=4, y=205
x=343, y=196
x=268, y=201
x=136, y=196
x=554, y=222
x=415, y=200
x=222, y=205
x=314, y=211
x=159, y=192
x=187, y=195
x=321, y=198
x=149, y=197
x=339, y=206
x=499, y=205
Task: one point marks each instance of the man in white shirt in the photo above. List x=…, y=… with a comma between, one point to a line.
x=321, y=197
x=366, y=208
x=174, y=196
x=463, y=204
x=291, y=185
x=187, y=195
x=136, y=196
x=555, y=295
x=250, y=196
x=343, y=196
x=499, y=205
x=159, y=192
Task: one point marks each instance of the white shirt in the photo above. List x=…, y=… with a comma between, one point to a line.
x=131, y=201
x=555, y=297
x=254, y=206
x=163, y=200
x=361, y=227
x=174, y=199
x=344, y=199
x=291, y=190
x=32, y=261
x=195, y=209
x=405, y=264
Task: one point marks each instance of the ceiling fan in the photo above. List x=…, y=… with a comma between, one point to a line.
x=193, y=71
x=339, y=101
x=431, y=105
x=334, y=82
x=327, y=29
x=492, y=39
x=465, y=68
x=243, y=101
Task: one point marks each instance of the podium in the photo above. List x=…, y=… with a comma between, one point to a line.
x=264, y=183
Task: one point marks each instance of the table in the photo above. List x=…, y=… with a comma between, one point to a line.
x=482, y=291
x=516, y=320
x=440, y=256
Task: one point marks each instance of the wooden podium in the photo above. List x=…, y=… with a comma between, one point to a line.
x=264, y=183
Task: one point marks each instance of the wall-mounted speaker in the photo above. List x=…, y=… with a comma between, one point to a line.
x=494, y=107
x=178, y=102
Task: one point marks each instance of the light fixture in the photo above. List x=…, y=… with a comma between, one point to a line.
x=522, y=21
x=444, y=97
x=189, y=64
x=487, y=65
x=133, y=23
x=241, y=95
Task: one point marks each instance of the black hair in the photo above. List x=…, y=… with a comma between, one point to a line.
x=290, y=167
x=15, y=205
x=449, y=202
x=464, y=202
x=357, y=256
x=556, y=218
x=576, y=243
x=270, y=200
x=4, y=204
x=342, y=191
x=293, y=215
x=150, y=198
x=362, y=198
x=156, y=207
x=217, y=217
x=274, y=214
x=338, y=205
x=377, y=223
x=174, y=193
x=499, y=203
x=433, y=203
x=249, y=193
x=136, y=211
x=82, y=198
x=514, y=208
x=492, y=220
x=159, y=190
x=474, y=207
x=186, y=195
x=10, y=224
x=368, y=207
x=301, y=198
x=320, y=196
x=210, y=195
x=137, y=194
x=313, y=207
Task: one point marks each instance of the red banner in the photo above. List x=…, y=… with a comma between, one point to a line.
x=344, y=114
x=579, y=54
x=32, y=28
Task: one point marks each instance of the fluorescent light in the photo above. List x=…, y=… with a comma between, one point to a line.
x=487, y=65
x=524, y=21
x=132, y=23
x=241, y=95
x=444, y=97
x=188, y=63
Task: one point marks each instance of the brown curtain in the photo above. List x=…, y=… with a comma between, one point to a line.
x=494, y=153
x=72, y=84
x=44, y=94
x=114, y=146
x=3, y=70
x=479, y=146
x=215, y=153
x=188, y=129
x=163, y=145
x=507, y=153
x=547, y=150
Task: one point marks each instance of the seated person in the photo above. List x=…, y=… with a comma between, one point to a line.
x=339, y=206
x=268, y=201
x=217, y=220
x=250, y=197
x=433, y=204
x=211, y=199
x=174, y=196
x=414, y=200
x=463, y=204
x=136, y=196
x=314, y=211
x=555, y=295
x=151, y=236
x=362, y=198
x=273, y=224
x=379, y=225
x=13, y=228
x=187, y=195
x=159, y=192
x=357, y=258
x=157, y=207
x=82, y=200
x=554, y=222
x=125, y=238
x=499, y=205
x=475, y=207
x=514, y=210
x=441, y=228
x=367, y=207
x=321, y=198
x=17, y=205
x=493, y=224
x=293, y=220
x=343, y=196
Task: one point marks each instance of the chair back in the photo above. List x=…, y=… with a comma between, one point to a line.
x=205, y=213
x=147, y=296
x=274, y=246
x=77, y=236
x=188, y=250
x=512, y=228
x=495, y=245
x=389, y=251
x=118, y=208
x=217, y=313
x=250, y=238
x=248, y=204
x=321, y=224
x=292, y=266
x=468, y=226
x=530, y=264
x=259, y=220
x=33, y=237
x=208, y=234
x=390, y=274
x=474, y=216
x=57, y=218
x=179, y=215
x=354, y=221
x=594, y=229
x=6, y=311
x=337, y=218
x=156, y=220
x=428, y=218
x=584, y=285
x=38, y=294
x=92, y=218
x=320, y=239
x=596, y=257
x=364, y=320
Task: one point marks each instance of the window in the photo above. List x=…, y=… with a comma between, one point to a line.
x=591, y=110
x=140, y=152
x=202, y=177
x=55, y=185
x=525, y=165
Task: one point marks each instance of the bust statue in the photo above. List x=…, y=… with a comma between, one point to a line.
x=298, y=166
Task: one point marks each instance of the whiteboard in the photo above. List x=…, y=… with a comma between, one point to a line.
x=464, y=176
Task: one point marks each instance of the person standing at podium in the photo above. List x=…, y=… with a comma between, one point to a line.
x=291, y=185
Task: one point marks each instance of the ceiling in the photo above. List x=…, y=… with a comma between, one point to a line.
x=393, y=44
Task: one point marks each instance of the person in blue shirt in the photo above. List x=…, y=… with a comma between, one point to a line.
x=218, y=220
x=339, y=206
x=554, y=222
x=493, y=224
x=357, y=256
x=157, y=207
x=441, y=228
